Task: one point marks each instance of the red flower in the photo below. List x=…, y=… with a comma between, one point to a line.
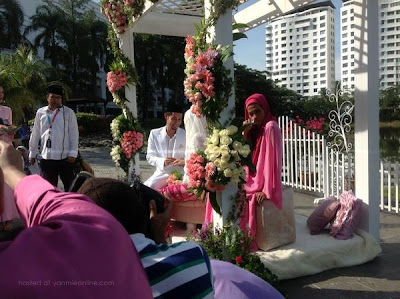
x=239, y=259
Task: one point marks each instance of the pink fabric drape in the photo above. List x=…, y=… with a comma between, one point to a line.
x=178, y=193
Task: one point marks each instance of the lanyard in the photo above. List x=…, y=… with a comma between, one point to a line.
x=52, y=120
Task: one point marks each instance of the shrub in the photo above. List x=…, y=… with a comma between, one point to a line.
x=90, y=123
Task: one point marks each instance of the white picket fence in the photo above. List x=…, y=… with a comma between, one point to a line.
x=309, y=164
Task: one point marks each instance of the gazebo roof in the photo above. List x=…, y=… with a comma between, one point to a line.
x=177, y=17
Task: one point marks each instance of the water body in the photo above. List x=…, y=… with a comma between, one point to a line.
x=390, y=144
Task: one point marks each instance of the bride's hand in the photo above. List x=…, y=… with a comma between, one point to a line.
x=260, y=197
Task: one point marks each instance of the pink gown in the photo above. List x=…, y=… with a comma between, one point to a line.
x=10, y=210
x=267, y=179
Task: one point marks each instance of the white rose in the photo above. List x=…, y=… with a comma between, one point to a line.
x=237, y=145
x=224, y=164
x=232, y=129
x=224, y=148
x=223, y=132
x=245, y=150
x=217, y=163
x=228, y=172
x=225, y=157
x=226, y=140
x=214, y=140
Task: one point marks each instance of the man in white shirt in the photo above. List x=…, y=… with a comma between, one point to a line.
x=166, y=148
x=55, y=133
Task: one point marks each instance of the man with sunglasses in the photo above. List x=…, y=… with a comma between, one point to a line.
x=55, y=137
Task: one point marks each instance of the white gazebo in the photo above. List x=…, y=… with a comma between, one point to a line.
x=178, y=17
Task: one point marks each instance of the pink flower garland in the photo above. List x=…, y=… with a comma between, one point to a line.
x=114, y=11
x=200, y=175
x=199, y=83
x=116, y=80
x=131, y=142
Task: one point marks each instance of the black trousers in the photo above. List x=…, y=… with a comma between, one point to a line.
x=51, y=169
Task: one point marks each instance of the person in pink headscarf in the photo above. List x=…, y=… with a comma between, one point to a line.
x=264, y=136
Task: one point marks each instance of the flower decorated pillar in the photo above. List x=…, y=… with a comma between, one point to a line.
x=127, y=46
x=221, y=33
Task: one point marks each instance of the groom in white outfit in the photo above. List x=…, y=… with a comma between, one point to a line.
x=166, y=148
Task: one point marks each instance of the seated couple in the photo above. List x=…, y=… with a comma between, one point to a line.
x=264, y=136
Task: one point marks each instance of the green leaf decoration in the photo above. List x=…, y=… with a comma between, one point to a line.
x=213, y=200
x=238, y=35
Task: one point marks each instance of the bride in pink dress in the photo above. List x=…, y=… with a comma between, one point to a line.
x=9, y=211
x=266, y=144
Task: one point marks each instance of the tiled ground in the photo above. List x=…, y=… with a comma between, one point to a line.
x=379, y=278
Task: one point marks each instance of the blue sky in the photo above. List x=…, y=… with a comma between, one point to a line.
x=250, y=51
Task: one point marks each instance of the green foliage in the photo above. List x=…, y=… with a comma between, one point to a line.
x=231, y=244
x=249, y=81
x=389, y=103
x=24, y=79
x=11, y=23
x=74, y=40
x=161, y=64
x=91, y=123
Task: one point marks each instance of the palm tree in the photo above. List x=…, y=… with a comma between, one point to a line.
x=24, y=78
x=93, y=50
x=48, y=21
x=11, y=21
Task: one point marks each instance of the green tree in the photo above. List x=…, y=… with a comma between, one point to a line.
x=160, y=62
x=74, y=39
x=11, y=22
x=389, y=103
x=24, y=78
x=92, y=51
x=47, y=21
x=248, y=81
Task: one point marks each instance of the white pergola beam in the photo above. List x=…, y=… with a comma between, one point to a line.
x=266, y=10
x=166, y=24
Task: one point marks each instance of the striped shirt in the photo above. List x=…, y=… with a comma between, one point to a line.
x=179, y=270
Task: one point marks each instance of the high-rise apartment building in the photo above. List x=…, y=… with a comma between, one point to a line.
x=347, y=45
x=389, y=36
x=300, y=49
x=389, y=43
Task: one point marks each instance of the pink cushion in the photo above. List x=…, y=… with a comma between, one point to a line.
x=347, y=217
x=322, y=215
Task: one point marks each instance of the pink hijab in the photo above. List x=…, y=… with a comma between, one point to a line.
x=259, y=99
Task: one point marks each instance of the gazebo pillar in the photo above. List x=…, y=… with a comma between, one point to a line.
x=127, y=47
x=221, y=34
x=366, y=40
